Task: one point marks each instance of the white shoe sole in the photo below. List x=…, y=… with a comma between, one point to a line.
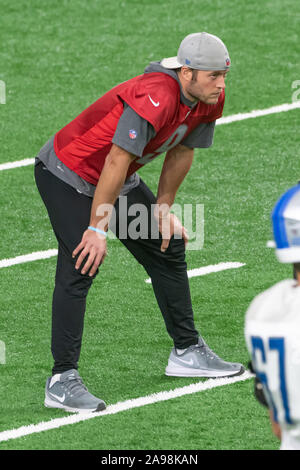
x=174, y=370
x=54, y=404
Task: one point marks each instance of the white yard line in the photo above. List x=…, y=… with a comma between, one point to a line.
x=16, y=164
x=37, y=255
x=212, y=268
x=121, y=406
x=224, y=120
x=5, y=263
x=259, y=112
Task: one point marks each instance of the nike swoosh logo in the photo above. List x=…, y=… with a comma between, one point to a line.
x=61, y=399
x=190, y=362
x=153, y=102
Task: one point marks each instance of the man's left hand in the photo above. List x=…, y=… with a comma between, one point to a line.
x=170, y=225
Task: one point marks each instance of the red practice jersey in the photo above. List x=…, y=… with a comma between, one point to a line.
x=84, y=143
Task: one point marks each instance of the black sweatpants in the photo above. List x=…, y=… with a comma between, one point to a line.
x=69, y=213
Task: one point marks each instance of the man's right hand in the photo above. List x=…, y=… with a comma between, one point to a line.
x=92, y=245
x=113, y=175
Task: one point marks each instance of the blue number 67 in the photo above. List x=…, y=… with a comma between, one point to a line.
x=277, y=344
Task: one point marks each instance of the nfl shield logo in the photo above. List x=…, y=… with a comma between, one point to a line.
x=132, y=134
x=227, y=62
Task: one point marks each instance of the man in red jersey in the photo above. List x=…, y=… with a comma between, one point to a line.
x=88, y=168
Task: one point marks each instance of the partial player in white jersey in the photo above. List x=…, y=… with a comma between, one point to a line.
x=272, y=329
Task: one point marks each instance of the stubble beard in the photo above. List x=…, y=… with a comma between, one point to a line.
x=207, y=99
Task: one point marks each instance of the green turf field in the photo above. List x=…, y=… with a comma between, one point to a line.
x=56, y=58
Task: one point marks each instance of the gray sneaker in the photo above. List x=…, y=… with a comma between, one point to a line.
x=67, y=391
x=200, y=361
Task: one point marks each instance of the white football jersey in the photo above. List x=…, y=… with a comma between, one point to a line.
x=272, y=331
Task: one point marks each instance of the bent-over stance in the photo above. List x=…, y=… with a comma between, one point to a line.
x=91, y=164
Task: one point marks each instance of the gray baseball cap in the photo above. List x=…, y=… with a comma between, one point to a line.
x=201, y=51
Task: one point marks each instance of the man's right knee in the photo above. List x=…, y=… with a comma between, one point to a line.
x=75, y=284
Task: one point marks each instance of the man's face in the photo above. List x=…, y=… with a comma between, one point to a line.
x=205, y=86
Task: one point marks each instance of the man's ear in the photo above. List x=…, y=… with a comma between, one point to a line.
x=186, y=73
